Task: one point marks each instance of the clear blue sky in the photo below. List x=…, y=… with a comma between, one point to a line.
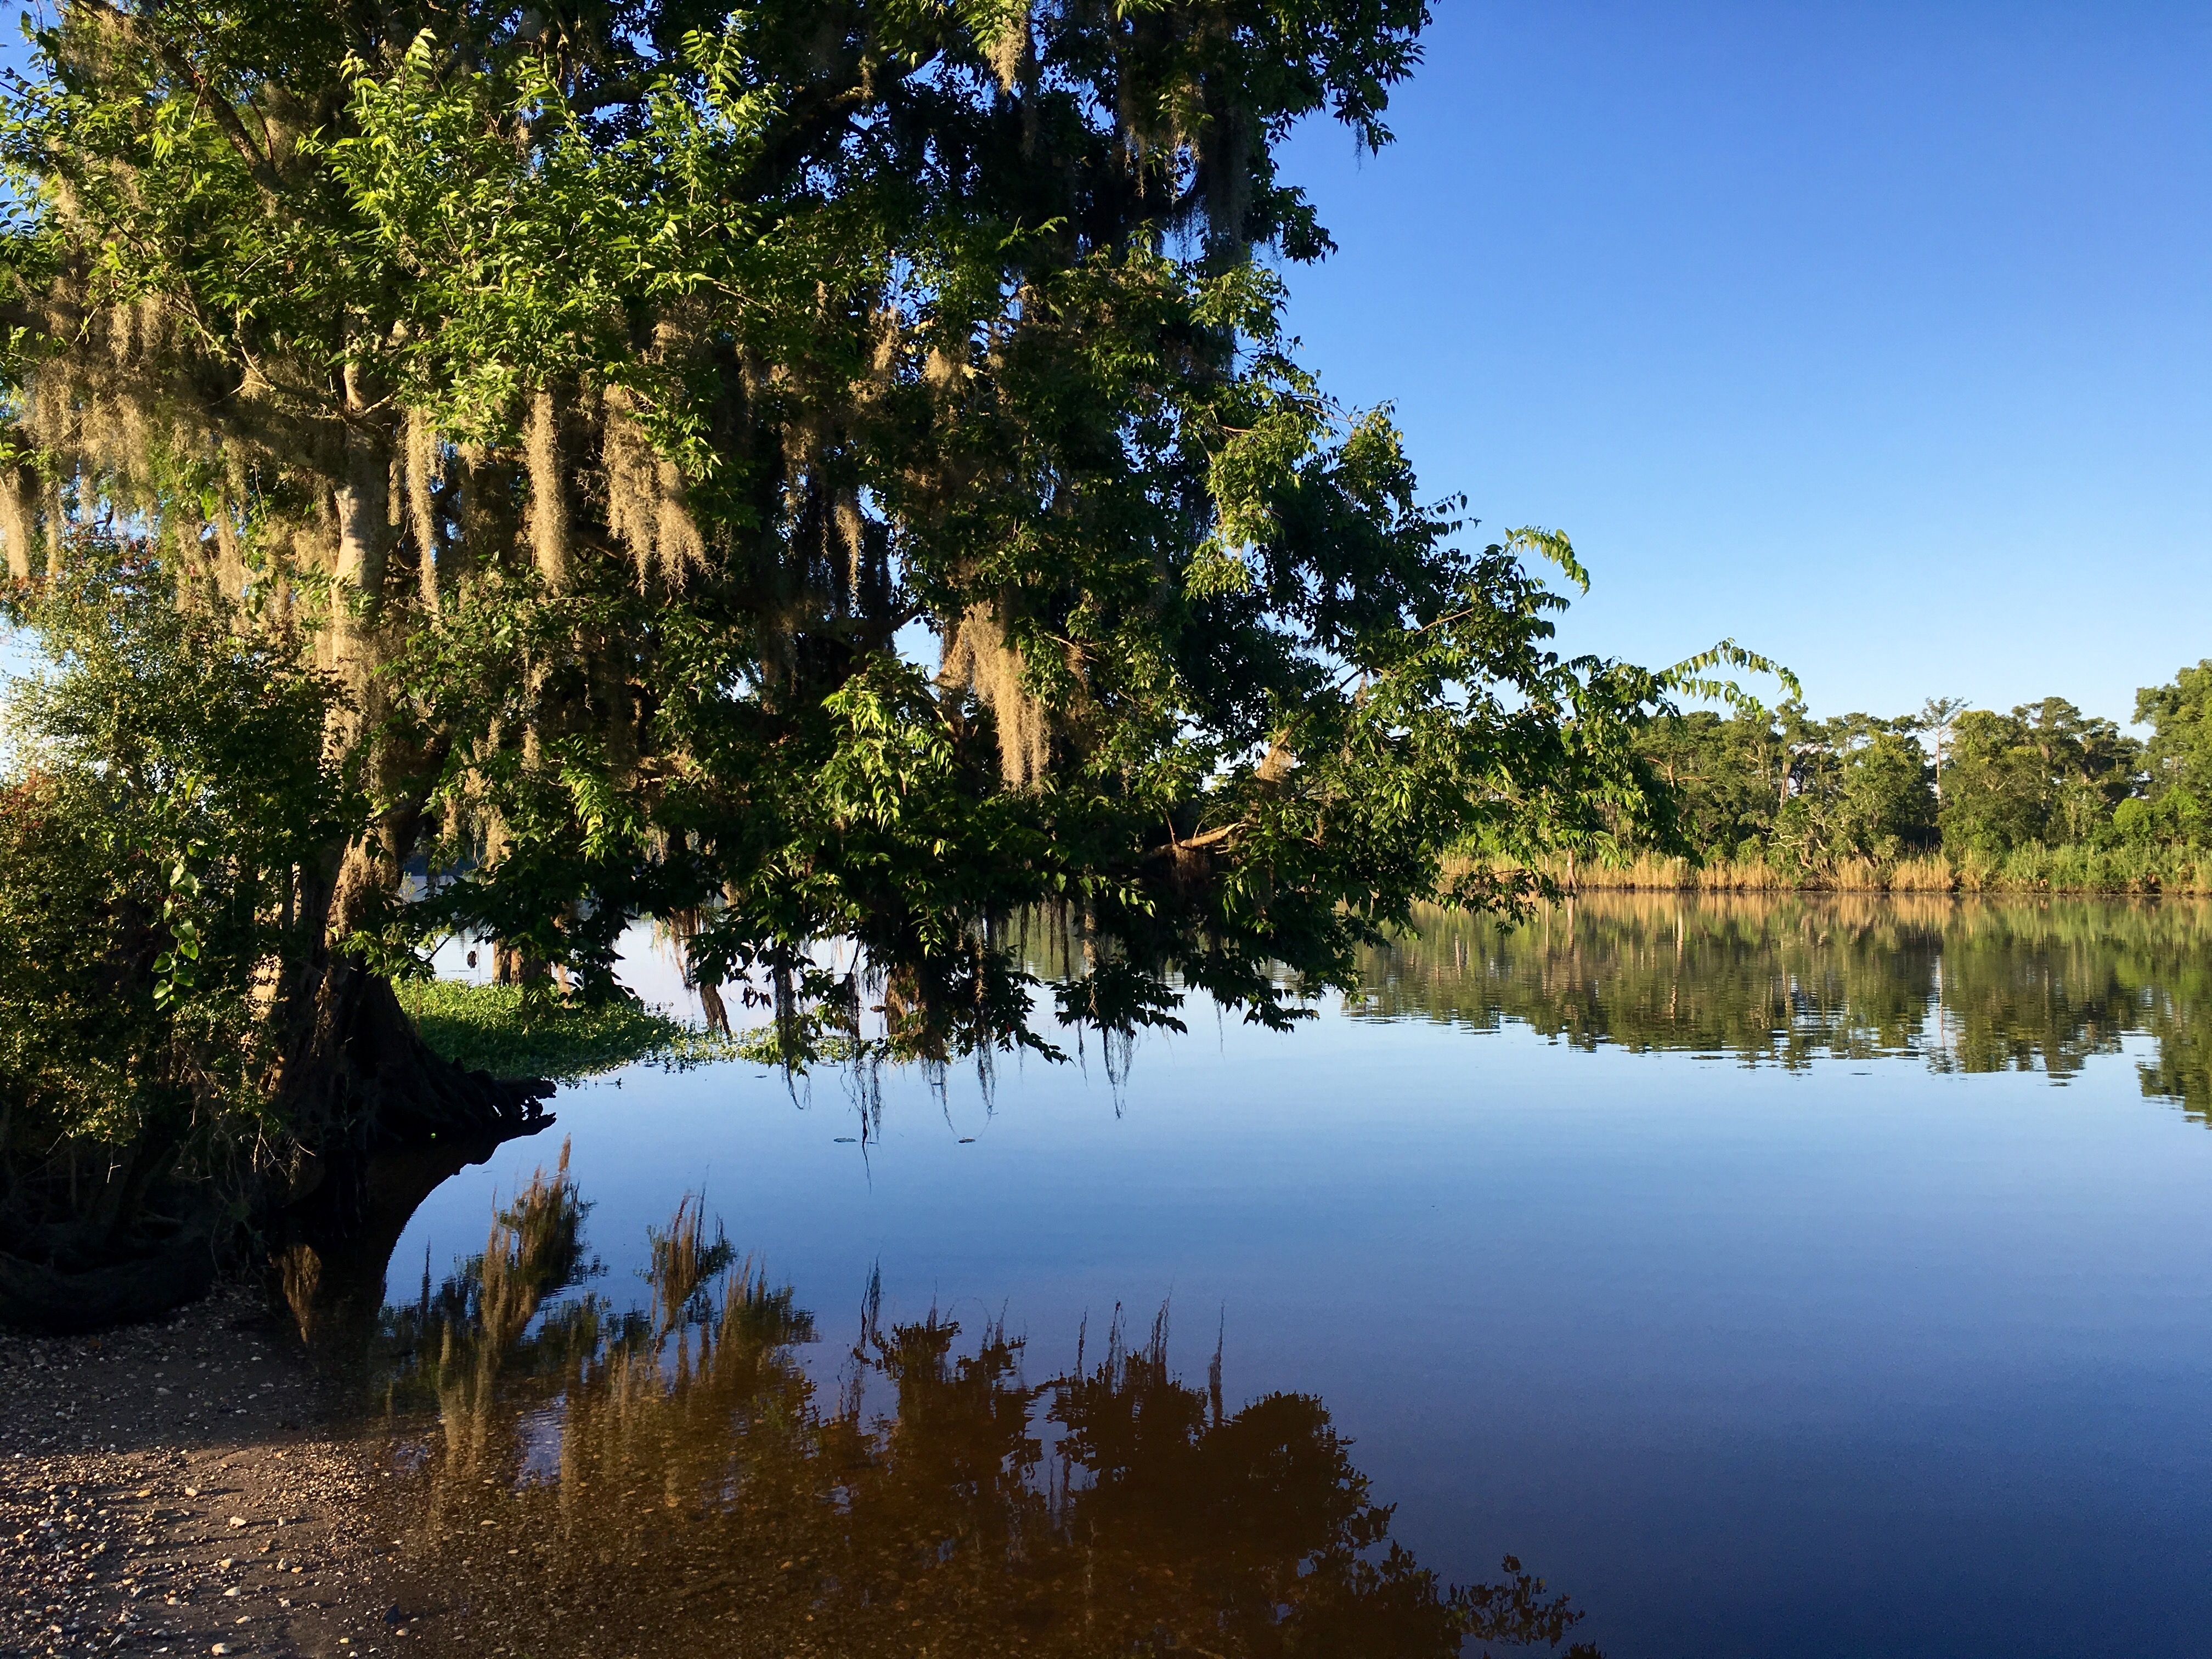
x=1878, y=336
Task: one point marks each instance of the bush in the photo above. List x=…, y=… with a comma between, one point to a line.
x=166, y=787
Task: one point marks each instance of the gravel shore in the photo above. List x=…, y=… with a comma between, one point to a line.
x=174, y=1488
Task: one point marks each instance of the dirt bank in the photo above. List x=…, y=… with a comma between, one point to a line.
x=173, y=1487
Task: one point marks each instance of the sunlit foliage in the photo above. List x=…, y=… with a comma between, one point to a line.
x=165, y=778
x=829, y=471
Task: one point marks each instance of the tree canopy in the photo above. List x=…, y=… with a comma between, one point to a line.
x=1802, y=797
x=814, y=472
x=2176, y=801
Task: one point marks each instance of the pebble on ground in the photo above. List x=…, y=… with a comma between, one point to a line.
x=170, y=1488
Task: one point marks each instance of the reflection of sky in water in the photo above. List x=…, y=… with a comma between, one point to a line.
x=1856, y=1358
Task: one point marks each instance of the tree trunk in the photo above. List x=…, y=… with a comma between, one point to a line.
x=710, y=1001
x=353, y=1074
x=357, y=1075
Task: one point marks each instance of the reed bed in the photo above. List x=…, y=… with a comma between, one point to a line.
x=2032, y=869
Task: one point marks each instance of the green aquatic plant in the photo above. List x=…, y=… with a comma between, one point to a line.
x=505, y=1030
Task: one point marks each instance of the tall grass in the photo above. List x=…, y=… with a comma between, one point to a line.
x=2031, y=869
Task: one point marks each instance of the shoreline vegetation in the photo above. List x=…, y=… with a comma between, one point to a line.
x=2055, y=871
x=1952, y=799
x=507, y=1031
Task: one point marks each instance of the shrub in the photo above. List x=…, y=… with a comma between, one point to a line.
x=166, y=784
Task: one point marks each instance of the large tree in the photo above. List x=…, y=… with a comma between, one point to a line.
x=815, y=471
x=2045, y=773
x=2178, y=761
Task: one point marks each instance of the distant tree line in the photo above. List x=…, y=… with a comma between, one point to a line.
x=2043, y=792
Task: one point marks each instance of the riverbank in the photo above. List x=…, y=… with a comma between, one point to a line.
x=173, y=1488
x=2073, y=871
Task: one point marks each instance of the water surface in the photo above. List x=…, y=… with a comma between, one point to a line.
x=1772, y=1276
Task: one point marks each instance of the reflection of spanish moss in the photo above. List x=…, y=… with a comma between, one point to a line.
x=1966, y=985
x=672, y=1481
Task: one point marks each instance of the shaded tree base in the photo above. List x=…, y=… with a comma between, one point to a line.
x=364, y=1078
x=164, y=1273
x=397, y=1120
x=408, y=1118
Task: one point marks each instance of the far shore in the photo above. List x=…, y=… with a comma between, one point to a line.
x=2062, y=873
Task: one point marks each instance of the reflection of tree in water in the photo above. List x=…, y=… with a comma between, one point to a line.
x=673, y=1480
x=1970, y=985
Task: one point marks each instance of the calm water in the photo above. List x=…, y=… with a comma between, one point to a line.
x=1771, y=1278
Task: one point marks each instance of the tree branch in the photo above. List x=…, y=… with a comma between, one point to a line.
x=258, y=166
